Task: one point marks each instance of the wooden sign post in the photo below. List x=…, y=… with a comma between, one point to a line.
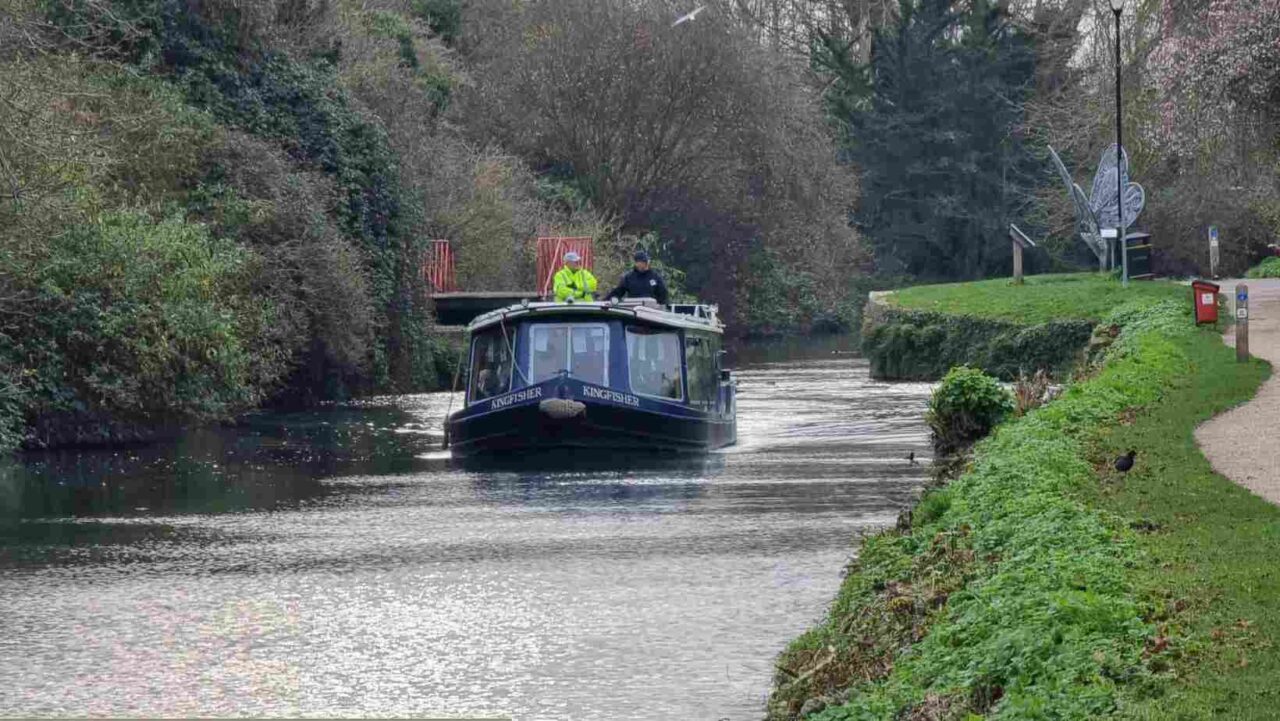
x=1020, y=241
x=1242, y=323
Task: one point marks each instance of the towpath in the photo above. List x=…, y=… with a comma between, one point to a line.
x=1243, y=444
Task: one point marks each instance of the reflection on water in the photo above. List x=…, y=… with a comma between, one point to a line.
x=335, y=562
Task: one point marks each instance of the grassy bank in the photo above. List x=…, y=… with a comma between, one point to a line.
x=1210, y=549
x=1041, y=299
x=1032, y=586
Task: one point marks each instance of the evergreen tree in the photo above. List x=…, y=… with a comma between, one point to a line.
x=934, y=123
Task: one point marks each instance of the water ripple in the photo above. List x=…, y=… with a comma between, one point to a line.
x=335, y=562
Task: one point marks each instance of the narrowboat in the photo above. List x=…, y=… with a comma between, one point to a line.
x=599, y=376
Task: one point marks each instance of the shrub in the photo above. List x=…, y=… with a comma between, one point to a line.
x=140, y=319
x=1030, y=391
x=965, y=407
x=777, y=298
x=83, y=136
x=310, y=270
x=387, y=60
x=217, y=57
x=12, y=405
x=1269, y=268
x=116, y=312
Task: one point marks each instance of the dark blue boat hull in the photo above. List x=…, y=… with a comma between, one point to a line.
x=610, y=420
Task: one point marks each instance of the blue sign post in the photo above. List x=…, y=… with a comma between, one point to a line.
x=1242, y=323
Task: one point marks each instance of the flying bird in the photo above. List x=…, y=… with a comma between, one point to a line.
x=690, y=16
x=1125, y=462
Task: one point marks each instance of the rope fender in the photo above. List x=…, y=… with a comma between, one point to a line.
x=562, y=408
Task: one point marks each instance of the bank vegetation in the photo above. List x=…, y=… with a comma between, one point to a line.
x=1041, y=582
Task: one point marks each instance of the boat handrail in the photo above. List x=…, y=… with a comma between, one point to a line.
x=688, y=315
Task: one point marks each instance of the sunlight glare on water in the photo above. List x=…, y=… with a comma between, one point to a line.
x=337, y=562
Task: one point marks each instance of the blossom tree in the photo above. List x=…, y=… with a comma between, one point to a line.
x=1217, y=65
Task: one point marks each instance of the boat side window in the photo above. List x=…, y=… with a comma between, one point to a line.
x=580, y=349
x=700, y=360
x=490, y=365
x=653, y=357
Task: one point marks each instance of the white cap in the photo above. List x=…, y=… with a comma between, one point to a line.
x=572, y=256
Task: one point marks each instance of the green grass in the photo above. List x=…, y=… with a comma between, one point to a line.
x=1213, y=554
x=1043, y=298
x=1034, y=586
x=1269, y=268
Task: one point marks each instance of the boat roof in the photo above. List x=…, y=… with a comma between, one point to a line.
x=691, y=316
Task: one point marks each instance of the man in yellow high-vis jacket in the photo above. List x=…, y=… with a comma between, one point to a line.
x=573, y=282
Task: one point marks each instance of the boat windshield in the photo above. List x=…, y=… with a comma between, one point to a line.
x=580, y=349
x=490, y=365
x=653, y=357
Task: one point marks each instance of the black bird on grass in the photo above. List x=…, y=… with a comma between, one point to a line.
x=1125, y=462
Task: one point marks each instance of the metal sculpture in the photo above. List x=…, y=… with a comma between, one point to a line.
x=1102, y=199
x=1099, y=210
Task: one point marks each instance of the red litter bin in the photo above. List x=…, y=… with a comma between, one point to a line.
x=1206, y=301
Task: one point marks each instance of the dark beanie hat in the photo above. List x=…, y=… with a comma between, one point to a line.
x=641, y=256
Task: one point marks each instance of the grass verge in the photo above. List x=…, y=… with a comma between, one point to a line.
x=1022, y=590
x=1043, y=298
x=1212, y=550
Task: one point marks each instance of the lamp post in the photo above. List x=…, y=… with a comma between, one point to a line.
x=1117, y=7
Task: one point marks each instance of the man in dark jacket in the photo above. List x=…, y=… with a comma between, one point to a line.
x=641, y=282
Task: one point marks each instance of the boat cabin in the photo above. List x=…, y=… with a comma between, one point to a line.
x=598, y=359
x=631, y=347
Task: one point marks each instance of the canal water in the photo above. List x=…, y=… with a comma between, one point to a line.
x=337, y=563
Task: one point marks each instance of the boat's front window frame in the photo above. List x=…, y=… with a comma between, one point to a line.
x=571, y=328
x=677, y=344
x=503, y=344
x=700, y=371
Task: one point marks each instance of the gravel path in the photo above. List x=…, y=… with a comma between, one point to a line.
x=1243, y=444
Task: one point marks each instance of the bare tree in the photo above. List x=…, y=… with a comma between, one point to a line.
x=699, y=131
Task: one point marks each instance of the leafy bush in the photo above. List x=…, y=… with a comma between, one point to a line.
x=427, y=75
x=12, y=411
x=778, y=298
x=310, y=271
x=141, y=320
x=135, y=142
x=1269, y=268
x=1010, y=598
x=118, y=314
x=215, y=55
x=964, y=407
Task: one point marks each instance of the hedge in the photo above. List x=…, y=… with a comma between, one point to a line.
x=924, y=345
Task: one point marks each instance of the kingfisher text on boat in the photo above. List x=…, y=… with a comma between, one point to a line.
x=595, y=375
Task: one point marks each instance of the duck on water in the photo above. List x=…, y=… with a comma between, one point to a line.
x=615, y=375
